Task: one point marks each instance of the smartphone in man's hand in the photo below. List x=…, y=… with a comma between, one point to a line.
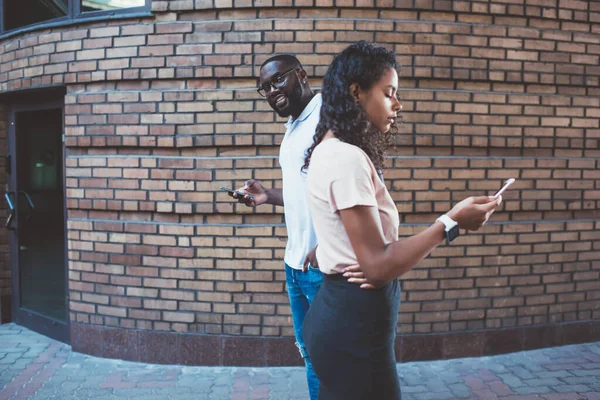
x=231, y=192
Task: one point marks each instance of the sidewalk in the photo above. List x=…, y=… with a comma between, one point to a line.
x=35, y=367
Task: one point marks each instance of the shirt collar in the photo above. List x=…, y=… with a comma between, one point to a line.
x=310, y=107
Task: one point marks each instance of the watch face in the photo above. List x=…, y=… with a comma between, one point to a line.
x=453, y=233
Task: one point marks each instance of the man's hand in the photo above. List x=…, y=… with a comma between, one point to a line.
x=355, y=275
x=257, y=194
x=311, y=258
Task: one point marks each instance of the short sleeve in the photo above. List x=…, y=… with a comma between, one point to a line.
x=353, y=185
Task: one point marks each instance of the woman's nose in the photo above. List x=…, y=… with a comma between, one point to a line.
x=397, y=106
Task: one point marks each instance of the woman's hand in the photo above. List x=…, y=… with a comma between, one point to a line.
x=473, y=212
x=355, y=275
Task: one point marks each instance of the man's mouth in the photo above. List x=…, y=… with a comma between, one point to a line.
x=280, y=101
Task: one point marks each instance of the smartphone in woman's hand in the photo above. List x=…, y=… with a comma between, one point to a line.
x=504, y=187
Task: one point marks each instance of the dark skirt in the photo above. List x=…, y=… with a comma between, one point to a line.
x=349, y=334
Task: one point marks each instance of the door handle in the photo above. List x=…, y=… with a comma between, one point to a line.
x=11, y=206
x=30, y=203
x=11, y=215
x=28, y=199
x=9, y=201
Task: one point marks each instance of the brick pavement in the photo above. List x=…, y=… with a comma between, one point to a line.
x=35, y=367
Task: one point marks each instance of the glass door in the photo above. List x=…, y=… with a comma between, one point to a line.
x=36, y=193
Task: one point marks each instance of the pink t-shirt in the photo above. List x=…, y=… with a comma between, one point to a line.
x=341, y=176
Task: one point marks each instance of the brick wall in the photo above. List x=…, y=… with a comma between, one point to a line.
x=162, y=111
x=537, y=263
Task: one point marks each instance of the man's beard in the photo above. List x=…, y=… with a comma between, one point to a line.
x=294, y=103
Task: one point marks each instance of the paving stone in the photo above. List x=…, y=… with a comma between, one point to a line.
x=532, y=390
x=415, y=389
x=436, y=386
x=522, y=372
x=106, y=397
x=412, y=379
x=460, y=391
x=222, y=392
x=595, y=386
x=85, y=393
x=553, y=374
x=542, y=382
x=433, y=396
x=582, y=380
x=13, y=350
x=561, y=373
x=589, y=372
x=571, y=388
x=511, y=380
x=197, y=396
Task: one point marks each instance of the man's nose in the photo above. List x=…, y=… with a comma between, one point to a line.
x=272, y=89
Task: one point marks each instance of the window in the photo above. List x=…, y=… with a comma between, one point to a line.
x=19, y=15
x=103, y=5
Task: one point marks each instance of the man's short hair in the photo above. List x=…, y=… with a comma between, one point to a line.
x=289, y=59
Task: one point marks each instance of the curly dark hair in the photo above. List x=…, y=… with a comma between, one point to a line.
x=362, y=63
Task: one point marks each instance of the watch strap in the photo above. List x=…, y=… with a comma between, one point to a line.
x=448, y=222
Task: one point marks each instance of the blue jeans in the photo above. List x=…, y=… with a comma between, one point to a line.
x=302, y=288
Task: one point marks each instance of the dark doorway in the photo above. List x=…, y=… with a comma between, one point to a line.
x=36, y=192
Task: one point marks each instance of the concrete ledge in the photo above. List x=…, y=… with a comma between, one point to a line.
x=217, y=350
x=5, y=309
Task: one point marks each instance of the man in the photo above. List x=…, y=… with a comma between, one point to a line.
x=283, y=84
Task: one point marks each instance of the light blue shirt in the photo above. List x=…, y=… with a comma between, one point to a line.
x=298, y=138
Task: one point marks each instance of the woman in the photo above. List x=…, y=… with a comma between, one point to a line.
x=349, y=331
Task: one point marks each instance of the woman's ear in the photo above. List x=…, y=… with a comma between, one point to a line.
x=355, y=91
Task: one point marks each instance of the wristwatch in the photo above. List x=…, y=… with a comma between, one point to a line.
x=452, y=230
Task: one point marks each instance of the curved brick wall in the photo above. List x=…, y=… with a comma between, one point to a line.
x=161, y=111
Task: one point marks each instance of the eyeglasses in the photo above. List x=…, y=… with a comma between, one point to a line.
x=276, y=83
